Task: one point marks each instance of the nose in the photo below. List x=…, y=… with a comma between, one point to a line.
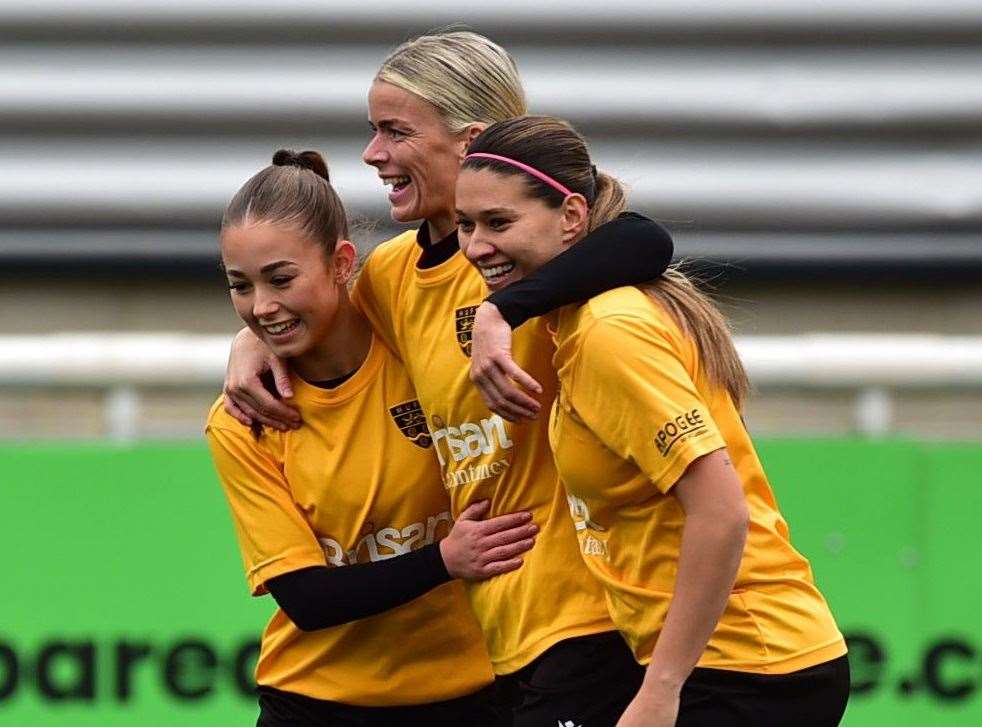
x=264, y=304
x=476, y=246
x=375, y=154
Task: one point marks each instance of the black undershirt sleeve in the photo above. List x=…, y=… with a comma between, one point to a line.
x=629, y=250
x=320, y=597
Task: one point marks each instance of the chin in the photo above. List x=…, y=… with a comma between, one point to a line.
x=405, y=215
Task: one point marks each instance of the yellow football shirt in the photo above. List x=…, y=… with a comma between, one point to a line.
x=634, y=411
x=428, y=315
x=357, y=483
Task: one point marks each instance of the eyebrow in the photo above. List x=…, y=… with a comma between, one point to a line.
x=264, y=269
x=493, y=211
x=387, y=123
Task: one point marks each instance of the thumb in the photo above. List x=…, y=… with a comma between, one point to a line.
x=476, y=510
x=281, y=377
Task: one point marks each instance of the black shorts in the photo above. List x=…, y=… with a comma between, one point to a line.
x=285, y=709
x=813, y=697
x=586, y=681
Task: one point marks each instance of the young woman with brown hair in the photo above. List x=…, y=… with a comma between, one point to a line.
x=674, y=514
x=345, y=521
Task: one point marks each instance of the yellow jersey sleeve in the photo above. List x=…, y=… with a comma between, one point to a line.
x=633, y=386
x=273, y=535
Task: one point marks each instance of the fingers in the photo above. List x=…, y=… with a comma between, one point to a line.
x=259, y=405
x=502, y=396
x=232, y=409
x=505, y=522
x=510, y=551
x=281, y=377
x=517, y=374
x=512, y=535
x=476, y=511
x=501, y=566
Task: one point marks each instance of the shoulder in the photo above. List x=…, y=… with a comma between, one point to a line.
x=395, y=250
x=223, y=429
x=623, y=313
x=219, y=418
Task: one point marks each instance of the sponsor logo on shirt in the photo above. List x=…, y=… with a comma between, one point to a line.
x=585, y=527
x=677, y=429
x=411, y=420
x=464, y=326
x=389, y=542
x=455, y=444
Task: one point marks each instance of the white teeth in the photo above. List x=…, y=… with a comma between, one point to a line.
x=497, y=271
x=396, y=181
x=278, y=328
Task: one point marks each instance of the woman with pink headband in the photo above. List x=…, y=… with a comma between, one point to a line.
x=673, y=512
x=546, y=625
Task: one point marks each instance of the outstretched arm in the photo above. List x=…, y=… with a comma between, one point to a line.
x=628, y=250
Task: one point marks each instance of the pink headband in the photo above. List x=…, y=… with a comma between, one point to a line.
x=542, y=176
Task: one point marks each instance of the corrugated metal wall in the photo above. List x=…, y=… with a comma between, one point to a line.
x=771, y=134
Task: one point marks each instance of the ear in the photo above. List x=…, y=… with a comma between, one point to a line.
x=343, y=260
x=576, y=217
x=470, y=132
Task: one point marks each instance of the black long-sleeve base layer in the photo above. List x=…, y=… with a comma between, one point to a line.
x=320, y=597
x=628, y=250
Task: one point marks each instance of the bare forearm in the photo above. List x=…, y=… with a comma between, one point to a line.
x=710, y=556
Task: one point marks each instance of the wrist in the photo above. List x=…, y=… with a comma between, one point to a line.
x=446, y=556
x=489, y=311
x=662, y=681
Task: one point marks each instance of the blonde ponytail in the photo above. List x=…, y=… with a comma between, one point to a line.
x=700, y=319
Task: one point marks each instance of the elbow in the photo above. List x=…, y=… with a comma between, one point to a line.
x=307, y=621
x=304, y=622
x=738, y=524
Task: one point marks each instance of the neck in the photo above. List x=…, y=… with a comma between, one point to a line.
x=342, y=351
x=440, y=226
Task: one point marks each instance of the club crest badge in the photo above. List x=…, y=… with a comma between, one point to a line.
x=464, y=324
x=411, y=421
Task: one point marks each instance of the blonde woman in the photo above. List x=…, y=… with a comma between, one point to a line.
x=546, y=625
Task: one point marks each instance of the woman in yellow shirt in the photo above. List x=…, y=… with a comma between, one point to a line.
x=345, y=521
x=673, y=511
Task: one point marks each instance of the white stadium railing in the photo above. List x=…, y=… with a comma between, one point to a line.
x=871, y=365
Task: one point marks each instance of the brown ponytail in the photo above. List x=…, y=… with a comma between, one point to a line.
x=609, y=202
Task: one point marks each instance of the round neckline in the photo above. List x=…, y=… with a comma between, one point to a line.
x=364, y=375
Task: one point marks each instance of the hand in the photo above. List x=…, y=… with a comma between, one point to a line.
x=495, y=373
x=477, y=549
x=246, y=398
x=651, y=709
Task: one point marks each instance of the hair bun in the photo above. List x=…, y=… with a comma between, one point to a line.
x=311, y=160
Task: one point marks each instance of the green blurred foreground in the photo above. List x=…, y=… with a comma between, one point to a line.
x=125, y=602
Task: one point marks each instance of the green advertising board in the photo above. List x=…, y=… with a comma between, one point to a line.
x=125, y=602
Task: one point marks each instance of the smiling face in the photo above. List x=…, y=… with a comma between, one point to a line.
x=282, y=285
x=505, y=232
x=416, y=154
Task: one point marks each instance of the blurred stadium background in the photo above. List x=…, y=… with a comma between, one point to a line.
x=821, y=161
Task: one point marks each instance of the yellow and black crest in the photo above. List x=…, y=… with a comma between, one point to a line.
x=411, y=421
x=464, y=323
